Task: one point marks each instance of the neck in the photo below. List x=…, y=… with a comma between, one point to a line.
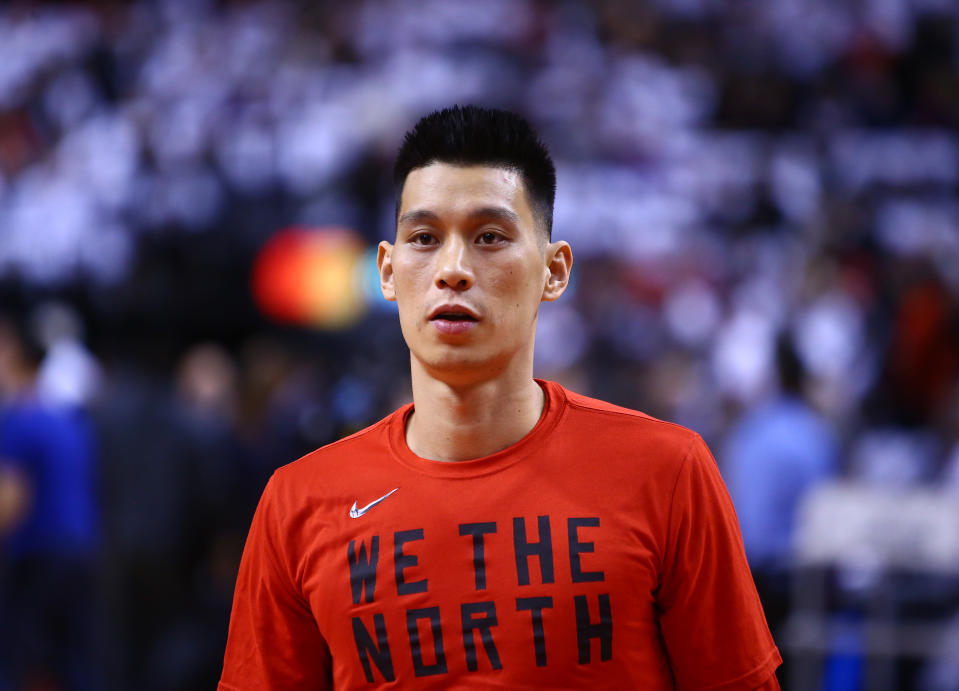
x=459, y=421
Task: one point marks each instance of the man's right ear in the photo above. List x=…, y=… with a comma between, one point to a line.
x=384, y=264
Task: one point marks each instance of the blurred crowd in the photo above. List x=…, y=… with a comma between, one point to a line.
x=762, y=204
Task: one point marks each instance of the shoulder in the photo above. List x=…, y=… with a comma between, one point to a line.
x=608, y=423
x=356, y=452
x=301, y=498
x=639, y=454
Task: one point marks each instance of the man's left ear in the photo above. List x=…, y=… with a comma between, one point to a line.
x=559, y=262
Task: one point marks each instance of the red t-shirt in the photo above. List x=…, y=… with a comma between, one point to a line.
x=601, y=551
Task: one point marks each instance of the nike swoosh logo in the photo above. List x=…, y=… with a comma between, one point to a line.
x=356, y=513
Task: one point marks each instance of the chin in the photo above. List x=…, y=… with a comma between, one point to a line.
x=454, y=360
x=460, y=362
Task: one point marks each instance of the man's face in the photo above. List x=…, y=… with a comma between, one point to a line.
x=469, y=269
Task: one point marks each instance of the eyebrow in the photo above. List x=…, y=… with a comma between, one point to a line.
x=492, y=212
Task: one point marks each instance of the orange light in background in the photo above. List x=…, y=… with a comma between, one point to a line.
x=311, y=277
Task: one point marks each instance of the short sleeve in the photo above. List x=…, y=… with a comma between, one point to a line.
x=273, y=641
x=710, y=616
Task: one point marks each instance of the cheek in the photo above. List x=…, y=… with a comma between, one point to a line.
x=407, y=276
x=521, y=288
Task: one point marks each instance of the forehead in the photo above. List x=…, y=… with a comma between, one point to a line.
x=444, y=188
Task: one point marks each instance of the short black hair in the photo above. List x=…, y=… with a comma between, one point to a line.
x=470, y=135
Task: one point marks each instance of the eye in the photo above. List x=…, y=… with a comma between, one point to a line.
x=423, y=238
x=488, y=238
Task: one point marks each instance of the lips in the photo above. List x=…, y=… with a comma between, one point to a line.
x=454, y=313
x=453, y=319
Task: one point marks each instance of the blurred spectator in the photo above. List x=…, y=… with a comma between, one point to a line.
x=169, y=493
x=48, y=538
x=924, y=353
x=775, y=454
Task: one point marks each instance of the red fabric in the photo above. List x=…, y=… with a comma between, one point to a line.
x=601, y=551
x=772, y=684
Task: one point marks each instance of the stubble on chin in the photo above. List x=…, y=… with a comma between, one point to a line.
x=449, y=359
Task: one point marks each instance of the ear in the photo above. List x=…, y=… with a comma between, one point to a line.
x=384, y=264
x=559, y=262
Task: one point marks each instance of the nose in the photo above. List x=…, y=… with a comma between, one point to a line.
x=454, y=269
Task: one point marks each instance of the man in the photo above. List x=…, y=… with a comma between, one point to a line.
x=774, y=456
x=500, y=531
x=48, y=528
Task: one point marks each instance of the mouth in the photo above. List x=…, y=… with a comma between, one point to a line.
x=453, y=313
x=453, y=320
x=454, y=317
